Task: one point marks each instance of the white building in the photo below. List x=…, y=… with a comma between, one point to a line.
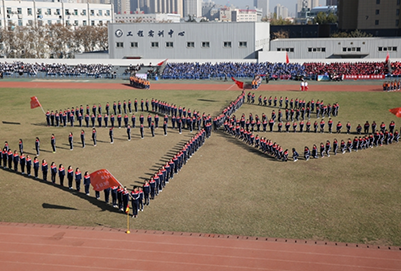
x=147, y=18
x=281, y=11
x=192, y=8
x=246, y=15
x=306, y=4
x=26, y=13
x=263, y=5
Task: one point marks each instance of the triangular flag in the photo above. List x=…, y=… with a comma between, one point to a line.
x=239, y=83
x=287, y=60
x=396, y=111
x=127, y=209
x=103, y=179
x=161, y=63
x=35, y=102
x=387, y=57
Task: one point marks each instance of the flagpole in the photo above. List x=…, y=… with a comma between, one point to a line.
x=42, y=109
x=128, y=232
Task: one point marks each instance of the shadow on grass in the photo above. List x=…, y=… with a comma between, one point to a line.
x=243, y=145
x=58, y=207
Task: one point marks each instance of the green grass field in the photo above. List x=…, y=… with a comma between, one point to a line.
x=227, y=187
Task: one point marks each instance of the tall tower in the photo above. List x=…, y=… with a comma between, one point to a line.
x=192, y=8
x=264, y=5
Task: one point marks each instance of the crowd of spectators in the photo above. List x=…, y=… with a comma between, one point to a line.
x=32, y=69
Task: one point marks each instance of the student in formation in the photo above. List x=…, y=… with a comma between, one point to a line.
x=45, y=169
x=61, y=174
x=53, y=172
x=87, y=182
x=78, y=178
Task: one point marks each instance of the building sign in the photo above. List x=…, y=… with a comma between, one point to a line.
x=151, y=33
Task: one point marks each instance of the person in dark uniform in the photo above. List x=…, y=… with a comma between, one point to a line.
x=87, y=120
x=141, y=130
x=115, y=108
x=21, y=146
x=133, y=119
x=22, y=162
x=135, y=202
x=152, y=184
x=53, y=143
x=295, y=155
x=136, y=105
x=61, y=174
x=70, y=176
x=36, y=167
x=16, y=160
x=87, y=182
x=83, y=138
x=53, y=172
x=152, y=129
x=306, y=153
x=129, y=132
x=119, y=107
x=146, y=192
x=70, y=140
x=78, y=178
x=165, y=128
x=125, y=199
x=4, y=157
x=140, y=200
x=37, y=146
x=94, y=134
x=28, y=165
x=10, y=158
x=106, y=194
x=119, y=121
x=45, y=169
x=114, y=196
x=99, y=120
x=111, y=135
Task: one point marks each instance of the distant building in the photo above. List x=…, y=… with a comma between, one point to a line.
x=281, y=11
x=32, y=13
x=369, y=14
x=225, y=14
x=331, y=2
x=210, y=10
x=156, y=6
x=192, y=8
x=325, y=9
x=147, y=18
x=263, y=5
x=246, y=15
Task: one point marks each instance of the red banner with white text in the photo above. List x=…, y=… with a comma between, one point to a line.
x=364, y=77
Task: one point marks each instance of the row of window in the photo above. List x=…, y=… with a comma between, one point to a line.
x=385, y=49
x=398, y=2
x=397, y=22
x=50, y=22
x=57, y=11
x=344, y=49
x=397, y=12
x=190, y=44
x=285, y=49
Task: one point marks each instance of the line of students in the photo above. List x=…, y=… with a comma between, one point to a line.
x=141, y=196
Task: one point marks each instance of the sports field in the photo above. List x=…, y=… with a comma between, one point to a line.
x=227, y=187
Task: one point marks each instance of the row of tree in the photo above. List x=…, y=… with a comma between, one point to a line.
x=51, y=41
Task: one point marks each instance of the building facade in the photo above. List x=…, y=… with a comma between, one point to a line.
x=211, y=40
x=147, y=18
x=155, y=6
x=281, y=11
x=27, y=13
x=331, y=2
x=263, y=5
x=369, y=14
x=192, y=8
x=338, y=48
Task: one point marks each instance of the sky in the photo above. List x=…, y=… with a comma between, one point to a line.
x=290, y=4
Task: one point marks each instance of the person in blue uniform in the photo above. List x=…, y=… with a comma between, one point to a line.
x=107, y=194
x=114, y=196
x=94, y=134
x=129, y=132
x=152, y=184
x=136, y=105
x=28, y=165
x=37, y=146
x=119, y=121
x=106, y=120
x=165, y=128
x=87, y=182
x=115, y=108
x=53, y=172
x=53, y=143
x=22, y=162
x=152, y=129
x=70, y=140
x=306, y=153
x=21, y=146
x=16, y=160
x=125, y=199
x=99, y=120
x=295, y=155
x=133, y=119
x=83, y=138
x=45, y=169
x=70, y=176
x=135, y=202
x=141, y=130
x=140, y=200
x=146, y=192
x=10, y=158
x=61, y=174
x=111, y=135
x=36, y=167
x=87, y=120
x=78, y=178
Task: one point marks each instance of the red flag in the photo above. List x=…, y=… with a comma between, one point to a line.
x=396, y=111
x=287, y=60
x=35, y=102
x=161, y=63
x=387, y=57
x=102, y=179
x=239, y=83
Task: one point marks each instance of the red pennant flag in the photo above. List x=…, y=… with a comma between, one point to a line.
x=396, y=111
x=287, y=60
x=239, y=83
x=387, y=57
x=102, y=179
x=35, y=102
x=161, y=63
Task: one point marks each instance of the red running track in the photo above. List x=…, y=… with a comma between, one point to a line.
x=190, y=86
x=51, y=247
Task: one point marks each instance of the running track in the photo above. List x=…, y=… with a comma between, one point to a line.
x=53, y=247
x=50, y=247
x=183, y=86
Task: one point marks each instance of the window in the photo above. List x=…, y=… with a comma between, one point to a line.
x=395, y=49
x=377, y=11
x=205, y=44
x=107, y=12
x=243, y=44
x=100, y=13
x=75, y=11
x=376, y=22
x=384, y=48
x=120, y=44
x=134, y=44
x=30, y=22
x=19, y=10
x=19, y=22
x=358, y=49
x=92, y=23
x=49, y=11
x=227, y=44
x=67, y=12
x=83, y=13
x=76, y=22
x=29, y=10
x=278, y=49
x=309, y=49
x=380, y=49
x=397, y=12
x=58, y=11
x=191, y=44
x=344, y=49
x=49, y=22
x=398, y=2
x=314, y=49
x=154, y=44
x=169, y=44
x=291, y=50
x=67, y=23
x=92, y=12
x=84, y=23
x=9, y=11
x=324, y=49
x=378, y=2
x=40, y=23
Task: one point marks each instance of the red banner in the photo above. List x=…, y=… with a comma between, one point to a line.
x=396, y=111
x=364, y=77
x=287, y=59
x=161, y=63
x=102, y=179
x=239, y=83
x=35, y=102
